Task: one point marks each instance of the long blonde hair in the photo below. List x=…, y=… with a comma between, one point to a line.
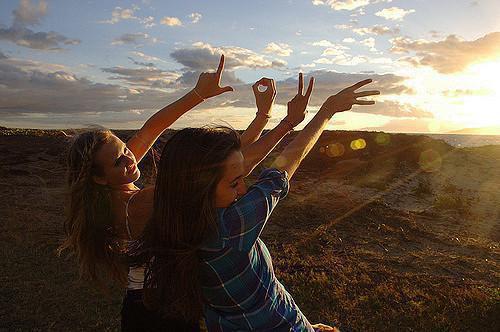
x=88, y=226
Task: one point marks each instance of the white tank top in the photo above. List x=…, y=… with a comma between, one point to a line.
x=135, y=274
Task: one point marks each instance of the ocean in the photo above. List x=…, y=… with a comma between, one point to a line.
x=467, y=140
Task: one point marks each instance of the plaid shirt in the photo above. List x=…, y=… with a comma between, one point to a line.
x=237, y=275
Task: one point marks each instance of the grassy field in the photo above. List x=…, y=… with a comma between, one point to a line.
x=389, y=237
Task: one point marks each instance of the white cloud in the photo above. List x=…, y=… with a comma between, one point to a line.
x=343, y=60
x=342, y=4
x=195, y=17
x=28, y=14
x=376, y=30
x=332, y=51
x=347, y=4
x=394, y=13
x=19, y=33
x=327, y=43
x=370, y=43
x=134, y=38
x=119, y=14
x=450, y=55
x=349, y=40
x=202, y=56
x=171, y=21
x=280, y=49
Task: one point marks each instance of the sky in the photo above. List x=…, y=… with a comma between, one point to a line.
x=72, y=64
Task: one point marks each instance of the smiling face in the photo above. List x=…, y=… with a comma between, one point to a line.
x=231, y=186
x=117, y=163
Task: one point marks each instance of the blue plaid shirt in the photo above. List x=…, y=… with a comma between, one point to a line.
x=237, y=275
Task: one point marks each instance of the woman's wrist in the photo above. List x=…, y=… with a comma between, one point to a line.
x=196, y=94
x=262, y=115
x=287, y=124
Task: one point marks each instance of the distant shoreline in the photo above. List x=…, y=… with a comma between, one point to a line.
x=455, y=140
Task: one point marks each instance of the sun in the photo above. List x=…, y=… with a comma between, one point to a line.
x=481, y=105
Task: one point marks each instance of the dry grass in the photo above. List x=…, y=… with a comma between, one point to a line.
x=347, y=252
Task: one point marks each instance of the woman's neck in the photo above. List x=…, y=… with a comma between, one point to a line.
x=124, y=187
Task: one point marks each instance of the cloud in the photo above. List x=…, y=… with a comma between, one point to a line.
x=347, y=4
x=394, y=13
x=450, y=55
x=27, y=14
x=377, y=29
x=370, y=43
x=280, y=49
x=342, y=4
x=343, y=60
x=48, y=94
x=349, y=40
x=327, y=43
x=202, y=57
x=171, y=21
x=149, y=77
x=195, y=17
x=120, y=14
x=19, y=33
x=146, y=57
x=133, y=38
x=331, y=82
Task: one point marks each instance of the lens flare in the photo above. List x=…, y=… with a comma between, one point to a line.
x=430, y=160
x=335, y=150
x=358, y=144
x=382, y=139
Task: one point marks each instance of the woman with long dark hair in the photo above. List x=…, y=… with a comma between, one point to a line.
x=106, y=210
x=201, y=248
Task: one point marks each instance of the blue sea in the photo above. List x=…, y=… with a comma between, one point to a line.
x=463, y=141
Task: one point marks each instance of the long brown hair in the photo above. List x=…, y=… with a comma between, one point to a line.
x=184, y=217
x=89, y=222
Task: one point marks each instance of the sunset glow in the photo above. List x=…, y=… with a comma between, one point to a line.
x=115, y=64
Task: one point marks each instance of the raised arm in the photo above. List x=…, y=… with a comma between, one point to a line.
x=258, y=150
x=290, y=159
x=206, y=87
x=264, y=101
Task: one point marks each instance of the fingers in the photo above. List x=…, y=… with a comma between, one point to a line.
x=367, y=93
x=273, y=86
x=360, y=84
x=364, y=102
x=264, y=81
x=221, y=66
x=226, y=89
x=310, y=87
x=301, y=84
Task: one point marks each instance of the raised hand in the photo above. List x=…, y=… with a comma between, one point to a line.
x=344, y=100
x=296, y=112
x=264, y=100
x=208, y=83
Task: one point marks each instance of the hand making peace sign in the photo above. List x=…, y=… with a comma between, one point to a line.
x=208, y=83
x=296, y=112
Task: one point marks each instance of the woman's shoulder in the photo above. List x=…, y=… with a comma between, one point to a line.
x=139, y=210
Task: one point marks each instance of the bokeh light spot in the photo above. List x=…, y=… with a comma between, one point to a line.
x=382, y=139
x=430, y=160
x=358, y=144
x=335, y=150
